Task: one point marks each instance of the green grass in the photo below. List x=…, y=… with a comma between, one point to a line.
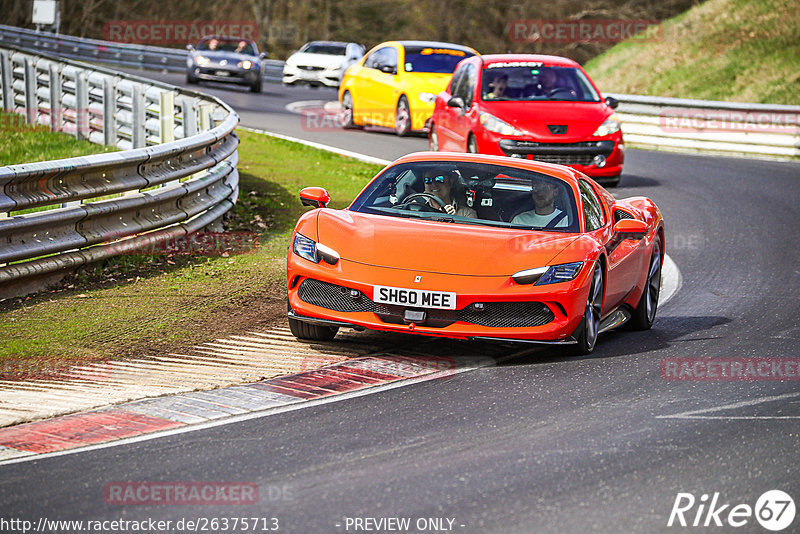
x=730, y=50
x=23, y=143
x=134, y=306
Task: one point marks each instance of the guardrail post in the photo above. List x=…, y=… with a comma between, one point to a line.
x=8, y=81
x=189, y=117
x=138, y=105
x=205, y=117
x=166, y=115
x=31, y=101
x=82, y=106
x=109, y=112
x=56, y=112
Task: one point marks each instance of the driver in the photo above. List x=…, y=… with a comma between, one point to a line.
x=440, y=183
x=544, y=214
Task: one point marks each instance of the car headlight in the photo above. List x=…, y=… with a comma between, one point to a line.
x=201, y=60
x=427, y=97
x=246, y=64
x=493, y=124
x=610, y=125
x=560, y=273
x=313, y=251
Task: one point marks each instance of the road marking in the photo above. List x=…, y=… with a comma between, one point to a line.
x=695, y=414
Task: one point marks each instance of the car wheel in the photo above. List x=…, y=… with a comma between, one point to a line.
x=256, y=87
x=311, y=332
x=612, y=181
x=190, y=79
x=347, y=111
x=472, y=145
x=589, y=327
x=402, y=117
x=645, y=312
x=433, y=139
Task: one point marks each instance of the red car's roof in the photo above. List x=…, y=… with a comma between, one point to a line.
x=547, y=60
x=558, y=171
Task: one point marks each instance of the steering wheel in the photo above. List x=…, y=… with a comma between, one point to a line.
x=415, y=196
x=554, y=92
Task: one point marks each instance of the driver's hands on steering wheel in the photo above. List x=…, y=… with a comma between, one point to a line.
x=449, y=209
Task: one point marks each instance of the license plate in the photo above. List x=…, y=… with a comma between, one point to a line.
x=442, y=300
x=222, y=73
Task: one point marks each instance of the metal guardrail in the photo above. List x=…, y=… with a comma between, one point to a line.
x=176, y=175
x=112, y=53
x=729, y=128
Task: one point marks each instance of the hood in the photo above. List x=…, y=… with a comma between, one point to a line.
x=430, y=246
x=231, y=57
x=316, y=60
x=581, y=118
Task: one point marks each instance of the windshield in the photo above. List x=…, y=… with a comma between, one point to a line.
x=237, y=46
x=471, y=193
x=325, y=49
x=428, y=59
x=527, y=81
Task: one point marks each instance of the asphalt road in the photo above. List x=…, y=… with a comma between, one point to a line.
x=539, y=444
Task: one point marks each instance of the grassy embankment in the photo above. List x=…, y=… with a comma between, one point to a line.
x=731, y=50
x=138, y=306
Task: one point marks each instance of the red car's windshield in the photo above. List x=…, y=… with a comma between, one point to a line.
x=470, y=193
x=528, y=81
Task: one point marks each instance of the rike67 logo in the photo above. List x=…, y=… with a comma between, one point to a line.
x=774, y=510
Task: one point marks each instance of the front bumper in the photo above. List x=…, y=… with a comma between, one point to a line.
x=221, y=74
x=312, y=76
x=542, y=314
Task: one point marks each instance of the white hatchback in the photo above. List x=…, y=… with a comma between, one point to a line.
x=321, y=63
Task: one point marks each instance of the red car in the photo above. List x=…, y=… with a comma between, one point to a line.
x=537, y=107
x=470, y=246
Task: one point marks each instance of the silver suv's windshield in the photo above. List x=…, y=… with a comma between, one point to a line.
x=527, y=81
x=470, y=193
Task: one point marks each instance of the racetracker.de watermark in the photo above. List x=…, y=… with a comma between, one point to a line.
x=171, y=32
x=180, y=493
x=676, y=120
x=196, y=244
x=587, y=31
x=730, y=369
x=17, y=369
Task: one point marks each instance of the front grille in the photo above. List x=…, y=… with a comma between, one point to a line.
x=564, y=159
x=508, y=315
x=309, y=67
x=494, y=314
x=333, y=297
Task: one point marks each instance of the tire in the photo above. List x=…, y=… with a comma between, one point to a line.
x=256, y=87
x=645, y=312
x=587, y=331
x=433, y=139
x=309, y=331
x=190, y=80
x=472, y=145
x=402, y=117
x=612, y=181
x=347, y=111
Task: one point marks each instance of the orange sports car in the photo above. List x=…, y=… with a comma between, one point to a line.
x=472, y=246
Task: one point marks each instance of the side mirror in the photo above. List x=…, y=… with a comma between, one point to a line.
x=316, y=197
x=456, y=102
x=630, y=229
x=190, y=48
x=612, y=102
x=263, y=55
x=388, y=69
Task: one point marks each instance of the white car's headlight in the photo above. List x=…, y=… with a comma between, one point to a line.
x=313, y=251
x=610, y=125
x=427, y=97
x=201, y=60
x=246, y=64
x=493, y=124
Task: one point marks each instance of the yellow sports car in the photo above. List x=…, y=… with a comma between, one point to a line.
x=396, y=84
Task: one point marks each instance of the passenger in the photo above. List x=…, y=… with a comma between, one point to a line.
x=441, y=184
x=498, y=87
x=544, y=214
